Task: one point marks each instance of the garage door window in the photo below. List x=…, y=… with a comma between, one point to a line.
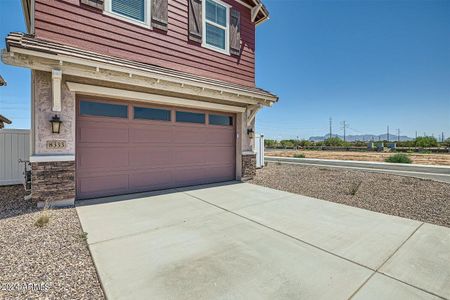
x=88, y=108
x=190, y=117
x=145, y=113
x=220, y=120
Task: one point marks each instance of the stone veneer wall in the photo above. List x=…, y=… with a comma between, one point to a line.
x=248, y=166
x=53, y=181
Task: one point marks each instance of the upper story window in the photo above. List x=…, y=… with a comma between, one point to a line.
x=216, y=25
x=135, y=11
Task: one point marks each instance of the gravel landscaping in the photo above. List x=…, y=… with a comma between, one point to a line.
x=48, y=262
x=418, y=199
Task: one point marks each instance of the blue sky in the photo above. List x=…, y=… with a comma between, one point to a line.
x=372, y=63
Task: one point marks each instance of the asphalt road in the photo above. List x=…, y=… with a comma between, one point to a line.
x=438, y=173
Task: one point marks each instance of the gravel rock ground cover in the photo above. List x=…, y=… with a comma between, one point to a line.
x=418, y=199
x=49, y=262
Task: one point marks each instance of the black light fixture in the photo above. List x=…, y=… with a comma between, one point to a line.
x=251, y=133
x=56, y=124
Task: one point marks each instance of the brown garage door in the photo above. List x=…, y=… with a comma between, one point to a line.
x=125, y=148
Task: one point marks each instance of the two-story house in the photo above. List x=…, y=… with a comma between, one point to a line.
x=139, y=95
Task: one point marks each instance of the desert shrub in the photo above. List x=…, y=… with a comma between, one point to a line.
x=305, y=143
x=426, y=141
x=359, y=144
x=299, y=155
x=287, y=143
x=335, y=142
x=42, y=220
x=355, y=187
x=399, y=158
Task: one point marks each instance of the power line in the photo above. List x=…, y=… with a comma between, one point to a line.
x=345, y=126
x=331, y=125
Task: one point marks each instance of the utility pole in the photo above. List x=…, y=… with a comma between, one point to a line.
x=331, y=125
x=398, y=135
x=416, y=134
x=345, y=126
x=388, y=133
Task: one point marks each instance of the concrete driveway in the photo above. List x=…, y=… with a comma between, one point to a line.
x=242, y=241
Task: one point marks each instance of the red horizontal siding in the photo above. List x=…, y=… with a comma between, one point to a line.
x=66, y=22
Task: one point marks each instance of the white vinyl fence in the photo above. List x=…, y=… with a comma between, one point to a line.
x=259, y=147
x=14, y=145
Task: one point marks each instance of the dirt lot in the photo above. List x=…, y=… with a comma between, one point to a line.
x=49, y=262
x=417, y=158
x=423, y=200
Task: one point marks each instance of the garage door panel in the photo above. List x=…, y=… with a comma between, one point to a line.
x=155, y=156
x=120, y=156
x=101, y=133
x=189, y=155
x=102, y=158
x=220, y=155
x=151, y=134
x=221, y=137
x=190, y=176
x=103, y=185
x=221, y=172
x=156, y=179
x=189, y=135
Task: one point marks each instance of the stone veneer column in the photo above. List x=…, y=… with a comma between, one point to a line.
x=52, y=170
x=248, y=166
x=53, y=183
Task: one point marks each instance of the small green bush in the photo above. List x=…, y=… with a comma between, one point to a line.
x=399, y=158
x=299, y=155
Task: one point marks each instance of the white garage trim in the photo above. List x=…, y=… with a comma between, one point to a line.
x=99, y=91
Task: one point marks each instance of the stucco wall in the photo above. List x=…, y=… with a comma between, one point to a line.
x=42, y=85
x=248, y=145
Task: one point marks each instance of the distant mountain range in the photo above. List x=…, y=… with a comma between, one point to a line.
x=363, y=137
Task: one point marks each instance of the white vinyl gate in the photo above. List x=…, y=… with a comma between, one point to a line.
x=14, y=145
x=259, y=147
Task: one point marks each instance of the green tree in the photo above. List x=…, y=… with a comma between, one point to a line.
x=359, y=144
x=334, y=142
x=305, y=143
x=270, y=143
x=426, y=141
x=446, y=143
x=287, y=143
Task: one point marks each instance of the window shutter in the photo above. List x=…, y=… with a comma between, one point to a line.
x=159, y=14
x=235, y=32
x=93, y=3
x=195, y=20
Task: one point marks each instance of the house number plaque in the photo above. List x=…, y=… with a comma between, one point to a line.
x=55, y=144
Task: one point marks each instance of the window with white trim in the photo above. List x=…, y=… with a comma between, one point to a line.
x=216, y=25
x=135, y=11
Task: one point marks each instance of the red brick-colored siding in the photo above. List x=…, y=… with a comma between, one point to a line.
x=67, y=22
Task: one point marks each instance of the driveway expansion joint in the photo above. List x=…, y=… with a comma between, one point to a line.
x=287, y=235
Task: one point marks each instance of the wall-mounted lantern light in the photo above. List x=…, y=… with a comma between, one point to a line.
x=56, y=124
x=251, y=133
